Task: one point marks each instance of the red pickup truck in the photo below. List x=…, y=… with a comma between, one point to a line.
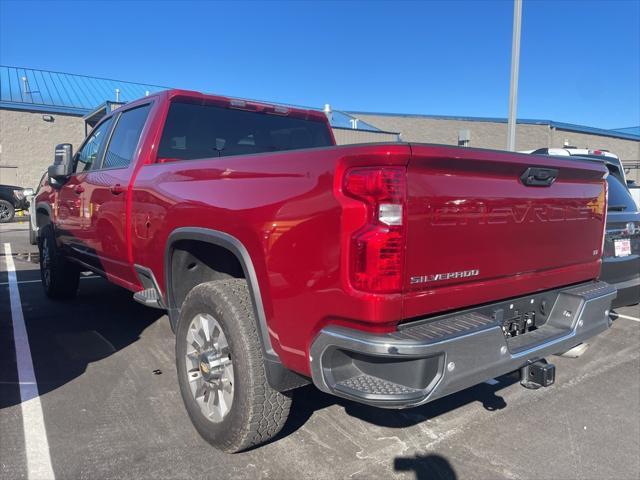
x=388, y=274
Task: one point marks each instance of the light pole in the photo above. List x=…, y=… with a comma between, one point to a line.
x=513, y=86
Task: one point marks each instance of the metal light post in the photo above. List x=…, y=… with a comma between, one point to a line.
x=513, y=87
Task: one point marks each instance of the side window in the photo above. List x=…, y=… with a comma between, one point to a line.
x=125, y=137
x=88, y=154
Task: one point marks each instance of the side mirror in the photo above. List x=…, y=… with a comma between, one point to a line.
x=62, y=163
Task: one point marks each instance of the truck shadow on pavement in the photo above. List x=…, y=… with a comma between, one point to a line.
x=66, y=336
x=308, y=399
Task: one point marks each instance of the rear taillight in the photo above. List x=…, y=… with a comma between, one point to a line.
x=377, y=248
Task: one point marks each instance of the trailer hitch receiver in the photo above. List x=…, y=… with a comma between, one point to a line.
x=538, y=374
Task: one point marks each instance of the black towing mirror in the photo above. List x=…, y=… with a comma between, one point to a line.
x=62, y=163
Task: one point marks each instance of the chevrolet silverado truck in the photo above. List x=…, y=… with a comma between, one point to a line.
x=387, y=274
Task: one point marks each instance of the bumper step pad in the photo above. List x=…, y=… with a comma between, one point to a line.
x=374, y=386
x=444, y=328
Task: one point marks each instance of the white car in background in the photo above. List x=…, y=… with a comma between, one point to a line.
x=612, y=158
x=33, y=225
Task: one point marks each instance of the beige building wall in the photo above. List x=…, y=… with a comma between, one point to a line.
x=445, y=131
x=346, y=136
x=27, y=141
x=494, y=134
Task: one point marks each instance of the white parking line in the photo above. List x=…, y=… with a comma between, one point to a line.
x=35, y=433
x=39, y=281
x=627, y=317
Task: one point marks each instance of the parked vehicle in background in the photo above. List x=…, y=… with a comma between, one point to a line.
x=621, y=254
x=33, y=224
x=613, y=161
x=388, y=274
x=12, y=199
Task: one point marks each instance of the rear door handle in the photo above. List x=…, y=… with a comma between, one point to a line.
x=79, y=189
x=116, y=189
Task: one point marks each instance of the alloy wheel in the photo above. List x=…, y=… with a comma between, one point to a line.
x=209, y=367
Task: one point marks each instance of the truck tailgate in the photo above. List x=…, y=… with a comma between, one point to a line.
x=478, y=232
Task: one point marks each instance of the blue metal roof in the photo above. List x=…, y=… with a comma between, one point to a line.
x=56, y=92
x=631, y=130
x=559, y=125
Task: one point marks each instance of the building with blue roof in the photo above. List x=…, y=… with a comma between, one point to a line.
x=41, y=108
x=531, y=134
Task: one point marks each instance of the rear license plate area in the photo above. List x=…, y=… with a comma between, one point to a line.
x=622, y=247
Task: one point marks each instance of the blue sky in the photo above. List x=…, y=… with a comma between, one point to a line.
x=580, y=61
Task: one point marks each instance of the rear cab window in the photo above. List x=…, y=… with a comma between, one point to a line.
x=195, y=131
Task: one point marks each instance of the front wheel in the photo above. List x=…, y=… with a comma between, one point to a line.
x=60, y=278
x=221, y=369
x=7, y=212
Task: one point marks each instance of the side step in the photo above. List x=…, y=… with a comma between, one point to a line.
x=148, y=297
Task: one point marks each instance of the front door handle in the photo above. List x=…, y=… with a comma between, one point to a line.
x=79, y=189
x=116, y=189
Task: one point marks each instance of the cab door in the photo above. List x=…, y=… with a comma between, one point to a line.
x=107, y=191
x=72, y=206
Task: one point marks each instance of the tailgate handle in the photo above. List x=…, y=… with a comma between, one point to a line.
x=539, y=177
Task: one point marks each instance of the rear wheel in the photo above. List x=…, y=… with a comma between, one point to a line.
x=7, y=212
x=60, y=278
x=221, y=370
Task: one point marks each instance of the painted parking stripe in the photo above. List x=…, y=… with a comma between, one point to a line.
x=35, y=433
x=627, y=317
x=39, y=281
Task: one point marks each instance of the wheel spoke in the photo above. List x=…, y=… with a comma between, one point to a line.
x=195, y=341
x=201, y=388
x=204, y=328
x=221, y=344
x=224, y=402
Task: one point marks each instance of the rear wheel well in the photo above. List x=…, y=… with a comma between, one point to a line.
x=194, y=262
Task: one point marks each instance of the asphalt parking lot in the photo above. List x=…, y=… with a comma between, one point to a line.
x=111, y=408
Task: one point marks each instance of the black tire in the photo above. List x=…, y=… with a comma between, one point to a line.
x=32, y=236
x=60, y=278
x=257, y=412
x=7, y=212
